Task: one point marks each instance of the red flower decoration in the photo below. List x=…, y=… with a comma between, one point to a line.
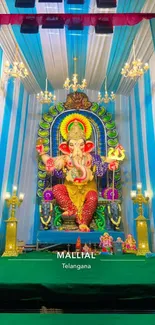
x=113, y=165
x=39, y=148
x=50, y=165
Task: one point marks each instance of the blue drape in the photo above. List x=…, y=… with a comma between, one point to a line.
x=31, y=47
x=76, y=42
x=122, y=43
x=152, y=25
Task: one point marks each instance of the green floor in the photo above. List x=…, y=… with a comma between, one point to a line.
x=25, y=319
x=111, y=284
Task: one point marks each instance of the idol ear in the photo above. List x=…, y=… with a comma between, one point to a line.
x=63, y=147
x=89, y=146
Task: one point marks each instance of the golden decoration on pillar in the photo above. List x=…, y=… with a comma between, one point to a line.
x=141, y=221
x=11, y=248
x=75, y=85
x=45, y=97
x=16, y=69
x=136, y=69
x=107, y=98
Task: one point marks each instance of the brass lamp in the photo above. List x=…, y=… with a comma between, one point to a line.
x=17, y=69
x=107, y=97
x=141, y=221
x=11, y=228
x=136, y=69
x=75, y=83
x=45, y=97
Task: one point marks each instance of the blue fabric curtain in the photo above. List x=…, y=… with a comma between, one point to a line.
x=152, y=25
x=130, y=6
x=76, y=41
x=30, y=45
x=122, y=43
x=121, y=46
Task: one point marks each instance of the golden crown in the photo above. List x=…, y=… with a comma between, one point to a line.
x=76, y=132
x=75, y=126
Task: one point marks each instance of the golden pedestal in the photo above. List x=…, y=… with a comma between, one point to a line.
x=11, y=238
x=142, y=236
x=69, y=223
x=142, y=252
x=13, y=201
x=128, y=251
x=141, y=221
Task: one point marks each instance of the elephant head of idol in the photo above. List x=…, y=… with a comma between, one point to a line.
x=76, y=130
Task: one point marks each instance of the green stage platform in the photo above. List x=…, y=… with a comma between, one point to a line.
x=111, y=282
x=45, y=268
x=77, y=319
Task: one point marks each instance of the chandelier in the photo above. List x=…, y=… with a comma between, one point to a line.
x=45, y=97
x=135, y=69
x=16, y=69
x=107, y=98
x=75, y=86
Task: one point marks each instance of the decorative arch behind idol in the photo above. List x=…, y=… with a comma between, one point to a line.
x=104, y=135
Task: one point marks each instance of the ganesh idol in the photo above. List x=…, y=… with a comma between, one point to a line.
x=78, y=195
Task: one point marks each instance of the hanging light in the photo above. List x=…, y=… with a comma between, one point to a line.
x=75, y=85
x=107, y=98
x=136, y=69
x=46, y=97
x=17, y=69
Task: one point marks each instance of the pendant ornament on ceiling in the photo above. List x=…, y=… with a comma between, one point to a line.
x=45, y=97
x=16, y=69
x=136, y=69
x=75, y=85
x=107, y=98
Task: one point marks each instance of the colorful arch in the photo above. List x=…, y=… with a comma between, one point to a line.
x=44, y=133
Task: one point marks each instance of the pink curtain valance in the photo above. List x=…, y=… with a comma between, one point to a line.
x=68, y=19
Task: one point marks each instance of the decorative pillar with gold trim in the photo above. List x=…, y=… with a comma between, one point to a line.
x=13, y=201
x=141, y=221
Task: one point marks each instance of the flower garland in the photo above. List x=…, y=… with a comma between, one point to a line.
x=46, y=223
x=117, y=224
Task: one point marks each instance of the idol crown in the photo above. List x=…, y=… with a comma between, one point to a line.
x=76, y=132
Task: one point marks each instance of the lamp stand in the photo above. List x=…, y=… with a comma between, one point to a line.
x=142, y=236
x=11, y=238
x=13, y=201
x=141, y=221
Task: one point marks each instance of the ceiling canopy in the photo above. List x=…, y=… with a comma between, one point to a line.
x=50, y=52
